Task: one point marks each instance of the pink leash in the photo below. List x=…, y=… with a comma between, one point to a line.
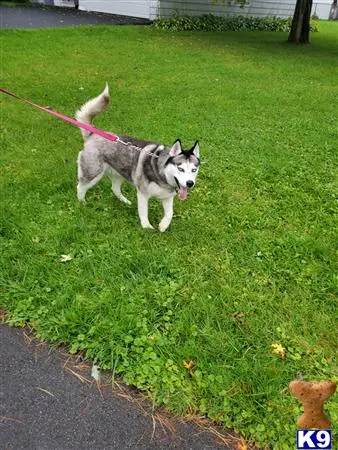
x=85, y=126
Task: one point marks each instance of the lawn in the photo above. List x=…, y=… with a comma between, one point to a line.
x=249, y=260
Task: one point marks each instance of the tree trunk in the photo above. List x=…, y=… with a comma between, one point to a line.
x=300, y=27
x=334, y=11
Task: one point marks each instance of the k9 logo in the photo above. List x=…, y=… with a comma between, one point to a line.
x=314, y=439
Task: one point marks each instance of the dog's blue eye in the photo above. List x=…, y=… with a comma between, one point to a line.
x=194, y=170
x=180, y=169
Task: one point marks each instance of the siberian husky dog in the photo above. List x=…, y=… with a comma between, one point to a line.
x=154, y=169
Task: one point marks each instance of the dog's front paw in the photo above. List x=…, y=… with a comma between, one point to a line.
x=164, y=224
x=147, y=226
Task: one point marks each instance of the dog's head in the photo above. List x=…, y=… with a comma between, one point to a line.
x=181, y=168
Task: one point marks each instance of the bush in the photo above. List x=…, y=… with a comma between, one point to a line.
x=231, y=23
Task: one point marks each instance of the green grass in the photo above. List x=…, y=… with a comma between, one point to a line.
x=14, y=3
x=249, y=259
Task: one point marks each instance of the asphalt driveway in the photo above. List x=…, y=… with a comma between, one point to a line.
x=42, y=17
x=49, y=401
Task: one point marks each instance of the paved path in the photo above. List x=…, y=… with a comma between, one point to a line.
x=42, y=17
x=44, y=406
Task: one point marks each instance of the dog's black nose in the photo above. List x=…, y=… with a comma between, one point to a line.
x=190, y=183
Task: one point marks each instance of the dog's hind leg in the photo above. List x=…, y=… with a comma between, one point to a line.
x=83, y=186
x=116, y=183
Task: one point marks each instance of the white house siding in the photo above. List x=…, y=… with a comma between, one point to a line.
x=321, y=9
x=64, y=3
x=258, y=8
x=136, y=8
x=150, y=9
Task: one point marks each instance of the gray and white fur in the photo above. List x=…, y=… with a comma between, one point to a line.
x=154, y=169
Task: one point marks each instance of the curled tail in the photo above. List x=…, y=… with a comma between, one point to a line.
x=92, y=108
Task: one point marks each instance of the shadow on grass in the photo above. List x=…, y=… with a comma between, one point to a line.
x=323, y=45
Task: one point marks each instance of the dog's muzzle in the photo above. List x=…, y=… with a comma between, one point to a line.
x=182, y=192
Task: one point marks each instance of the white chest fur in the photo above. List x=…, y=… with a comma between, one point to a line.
x=154, y=190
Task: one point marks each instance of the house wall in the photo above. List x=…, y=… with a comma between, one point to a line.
x=258, y=8
x=150, y=9
x=44, y=2
x=64, y=3
x=135, y=8
x=321, y=9
x=283, y=8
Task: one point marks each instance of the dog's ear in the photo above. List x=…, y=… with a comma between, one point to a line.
x=176, y=148
x=196, y=149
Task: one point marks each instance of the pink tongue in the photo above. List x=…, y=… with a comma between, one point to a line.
x=183, y=193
